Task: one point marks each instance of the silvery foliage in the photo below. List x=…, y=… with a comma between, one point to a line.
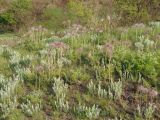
x=144, y=43
x=8, y=100
x=60, y=63
x=59, y=87
x=3, y=81
x=60, y=90
x=114, y=90
x=7, y=90
x=25, y=60
x=45, y=63
x=94, y=37
x=1, y=50
x=99, y=47
x=64, y=61
x=102, y=93
x=53, y=57
x=4, y=48
x=7, y=106
x=36, y=34
x=30, y=109
x=90, y=112
x=21, y=71
x=47, y=57
x=7, y=87
x=62, y=105
x=17, y=62
x=93, y=112
x=43, y=53
x=154, y=24
x=148, y=111
x=91, y=87
x=15, y=58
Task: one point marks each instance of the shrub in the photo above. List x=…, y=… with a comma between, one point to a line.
x=60, y=90
x=7, y=18
x=30, y=109
x=136, y=11
x=18, y=14
x=22, y=12
x=133, y=64
x=89, y=112
x=54, y=17
x=79, y=10
x=7, y=21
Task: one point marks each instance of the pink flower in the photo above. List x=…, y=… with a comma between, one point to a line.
x=108, y=49
x=58, y=44
x=80, y=50
x=39, y=68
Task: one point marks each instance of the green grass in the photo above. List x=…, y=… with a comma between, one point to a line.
x=90, y=74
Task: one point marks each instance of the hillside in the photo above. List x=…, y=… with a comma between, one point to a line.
x=66, y=60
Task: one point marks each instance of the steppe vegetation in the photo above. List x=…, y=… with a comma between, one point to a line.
x=79, y=60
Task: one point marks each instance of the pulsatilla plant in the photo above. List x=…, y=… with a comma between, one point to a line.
x=60, y=91
x=113, y=90
x=30, y=109
x=90, y=112
x=8, y=99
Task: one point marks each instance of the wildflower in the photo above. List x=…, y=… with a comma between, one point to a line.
x=59, y=45
x=39, y=68
x=150, y=92
x=75, y=30
x=80, y=50
x=142, y=89
x=138, y=25
x=108, y=49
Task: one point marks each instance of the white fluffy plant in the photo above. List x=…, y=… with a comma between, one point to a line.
x=116, y=89
x=7, y=106
x=30, y=109
x=8, y=99
x=60, y=90
x=91, y=87
x=1, y=50
x=93, y=112
x=8, y=87
x=101, y=92
x=90, y=112
x=3, y=81
x=15, y=58
x=149, y=111
x=5, y=49
x=62, y=105
x=144, y=43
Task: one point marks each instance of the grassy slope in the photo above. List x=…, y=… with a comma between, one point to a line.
x=80, y=72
